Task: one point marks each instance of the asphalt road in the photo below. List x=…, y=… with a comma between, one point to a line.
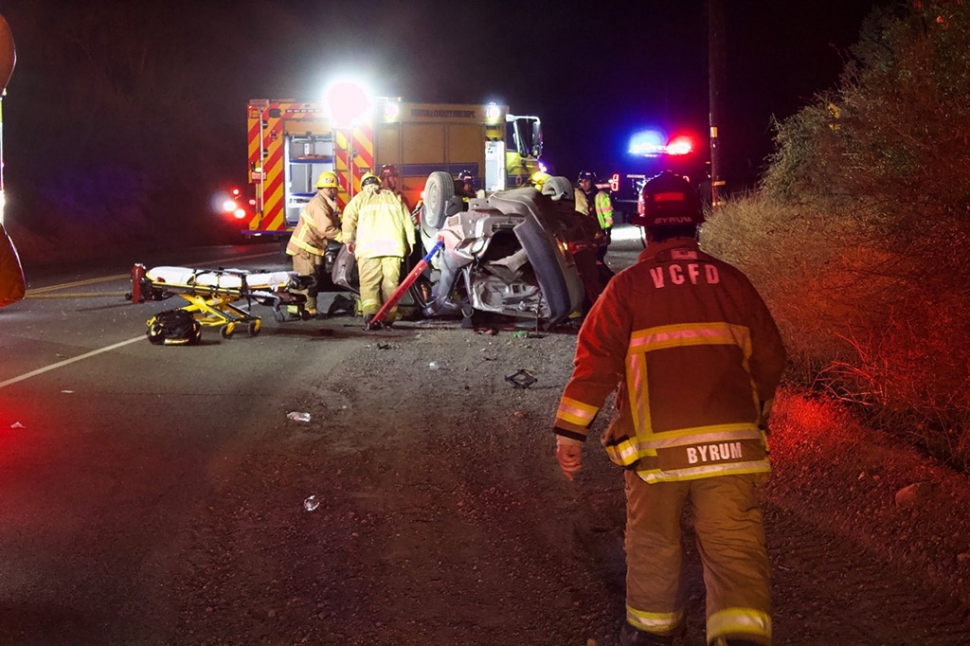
x=107, y=440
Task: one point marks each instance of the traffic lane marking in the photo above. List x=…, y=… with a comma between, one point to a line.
x=42, y=291
x=31, y=293
x=66, y=362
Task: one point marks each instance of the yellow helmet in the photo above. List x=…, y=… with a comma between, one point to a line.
x=327, y=179
x=539, y=178
x=369, y=178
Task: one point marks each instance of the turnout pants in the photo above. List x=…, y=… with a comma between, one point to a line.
x=730, y=538
x=308, y=264
x=379, y=277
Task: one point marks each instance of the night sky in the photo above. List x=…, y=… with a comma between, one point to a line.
x=594, y=75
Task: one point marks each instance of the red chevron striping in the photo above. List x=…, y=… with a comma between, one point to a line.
x=364, y=144
x=254, y=142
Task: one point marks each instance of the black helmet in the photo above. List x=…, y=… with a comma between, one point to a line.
x=467, y=176
x=587, y=174
x=669, y=200
x=388, y=169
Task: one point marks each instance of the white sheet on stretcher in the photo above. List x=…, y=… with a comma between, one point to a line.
x=226, y=279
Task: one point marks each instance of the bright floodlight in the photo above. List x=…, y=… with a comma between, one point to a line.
x=229, y=206
x=492, y=112
x=391, y=110
x=648, y=143
x=349, y=101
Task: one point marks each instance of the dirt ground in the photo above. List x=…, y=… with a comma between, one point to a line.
x=443, y=518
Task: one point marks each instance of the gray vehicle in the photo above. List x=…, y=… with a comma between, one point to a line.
x=512, y=253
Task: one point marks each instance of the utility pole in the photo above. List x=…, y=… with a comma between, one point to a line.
x=716, y=81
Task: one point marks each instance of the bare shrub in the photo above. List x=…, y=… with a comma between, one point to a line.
x=858, y=238
x=815, y=269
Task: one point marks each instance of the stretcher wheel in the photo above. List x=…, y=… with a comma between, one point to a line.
x=228, y=330
x=255, y=327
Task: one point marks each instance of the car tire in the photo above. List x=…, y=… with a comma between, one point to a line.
x=438, y=193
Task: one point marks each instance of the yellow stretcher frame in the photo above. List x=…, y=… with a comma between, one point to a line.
x=213, y=305
x=217, y=310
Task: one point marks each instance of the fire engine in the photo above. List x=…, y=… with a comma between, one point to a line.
x=292, y=142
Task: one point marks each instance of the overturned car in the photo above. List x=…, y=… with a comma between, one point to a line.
x=517, y=253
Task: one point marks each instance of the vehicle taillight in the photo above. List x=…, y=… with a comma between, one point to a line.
x=239, y=213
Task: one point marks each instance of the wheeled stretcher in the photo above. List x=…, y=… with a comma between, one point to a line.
x=211, y=294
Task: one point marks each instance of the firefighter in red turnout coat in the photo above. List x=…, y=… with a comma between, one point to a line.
x=695, y=358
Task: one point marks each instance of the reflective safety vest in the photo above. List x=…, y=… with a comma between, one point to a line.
x=697, y=357
x=604, y=210
x=378, y=224
x=581, y=201
x=319, y=224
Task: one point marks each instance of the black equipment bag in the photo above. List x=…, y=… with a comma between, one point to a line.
x=174, y=327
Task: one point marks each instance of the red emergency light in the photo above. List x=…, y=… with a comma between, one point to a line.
x=679, y=146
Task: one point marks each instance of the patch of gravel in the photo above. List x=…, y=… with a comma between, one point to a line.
x=443, y=517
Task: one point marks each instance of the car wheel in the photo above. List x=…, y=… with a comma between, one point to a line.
x=438, y=192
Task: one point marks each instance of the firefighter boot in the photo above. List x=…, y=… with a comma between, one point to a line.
x=630, y=636
x=311, y=306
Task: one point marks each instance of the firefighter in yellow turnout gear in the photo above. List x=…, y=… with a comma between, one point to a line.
x=592, y=201
x=319, y=224
x=696, y=357
x=378, y=230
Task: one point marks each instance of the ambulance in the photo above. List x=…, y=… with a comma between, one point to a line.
x=291, y=142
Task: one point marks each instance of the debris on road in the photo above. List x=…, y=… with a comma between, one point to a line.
x=311, y=503
x=521, y=378
x=298, y=417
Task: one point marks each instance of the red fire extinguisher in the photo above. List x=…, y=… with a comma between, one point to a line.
x=137, y=277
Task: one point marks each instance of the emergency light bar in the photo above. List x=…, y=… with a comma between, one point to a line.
x=654, y=143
